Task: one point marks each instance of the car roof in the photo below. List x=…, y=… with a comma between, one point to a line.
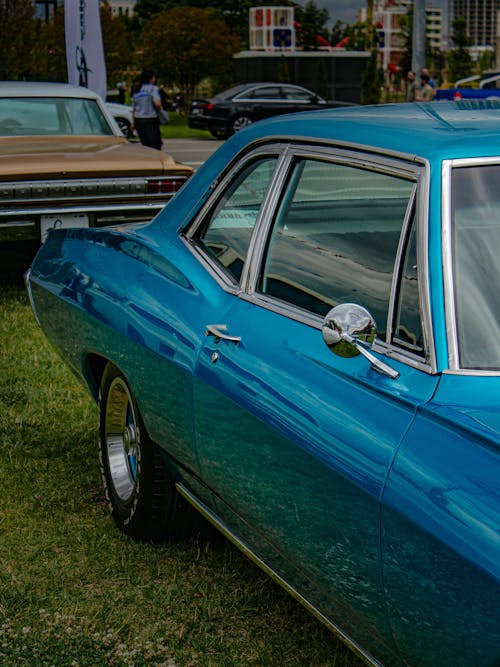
x=43, y=89
x=235, y=90
x=431, y=130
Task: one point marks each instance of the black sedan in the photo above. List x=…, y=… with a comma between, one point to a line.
x=233, y=109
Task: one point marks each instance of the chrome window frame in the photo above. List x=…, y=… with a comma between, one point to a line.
x=447, y=167
x=216, y=270
x=402, y=165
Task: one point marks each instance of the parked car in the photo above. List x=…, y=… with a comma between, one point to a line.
x=485, y=88
x=122, y=113
x=232, y=110
x=64, y=162
x=304, y=346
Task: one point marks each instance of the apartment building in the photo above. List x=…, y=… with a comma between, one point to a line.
x=387, y=17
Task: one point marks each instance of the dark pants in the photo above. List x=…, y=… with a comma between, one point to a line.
x=148, y=130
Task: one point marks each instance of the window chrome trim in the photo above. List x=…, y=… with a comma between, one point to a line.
x=447, y=263
x=397, y=275
x=263, y=224
x=472, y=372
x=391, y=163
x=91, y=207
x=316, y=322
x=422, y=222
x=416, y=171
x=216, y=270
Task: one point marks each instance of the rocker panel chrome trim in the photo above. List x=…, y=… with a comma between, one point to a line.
x=215, y=521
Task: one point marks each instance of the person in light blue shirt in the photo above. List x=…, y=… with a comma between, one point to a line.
x=146, y=100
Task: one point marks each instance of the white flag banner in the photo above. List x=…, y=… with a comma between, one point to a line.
x=84, y=50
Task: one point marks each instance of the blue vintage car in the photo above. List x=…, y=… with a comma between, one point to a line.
x=304, y=345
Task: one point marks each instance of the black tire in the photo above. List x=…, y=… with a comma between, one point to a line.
x=239, y=122
x=139, y=488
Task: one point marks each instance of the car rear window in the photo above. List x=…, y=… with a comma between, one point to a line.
x=29, y=116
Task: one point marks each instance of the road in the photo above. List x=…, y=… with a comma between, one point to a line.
x=193, y=152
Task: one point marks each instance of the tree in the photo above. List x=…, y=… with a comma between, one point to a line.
x=337, y=32
x=370, y=81
x=118, y=45
x=357, y=36
x=18, y=31
x=47, y=56
x=233, y=12
x=185, y=45
x=486, y=60
x=312, y=22
x=405, y=35
x=460, y=63
x=146, y=9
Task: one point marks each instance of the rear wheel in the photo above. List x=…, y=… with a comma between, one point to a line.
x=139, y=487
x=240, y=122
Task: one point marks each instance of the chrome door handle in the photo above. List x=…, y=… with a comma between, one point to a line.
x=218, y=332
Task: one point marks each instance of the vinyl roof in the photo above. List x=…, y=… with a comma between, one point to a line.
x=43, y=89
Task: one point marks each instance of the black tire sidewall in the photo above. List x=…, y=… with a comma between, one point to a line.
x=132, y=515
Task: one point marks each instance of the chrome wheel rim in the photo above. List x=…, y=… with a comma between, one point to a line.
x=240, y=123
x=121, y=439
x=123, y=125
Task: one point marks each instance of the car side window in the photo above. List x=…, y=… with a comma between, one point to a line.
x=296, y=94
x=335, y=238
x=267, y=93
x=227, y=230
x=408, y=325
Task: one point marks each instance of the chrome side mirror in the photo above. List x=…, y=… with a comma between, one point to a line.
x=348, y=329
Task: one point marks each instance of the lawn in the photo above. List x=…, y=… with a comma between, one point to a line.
x=74, y=591
x=178, y=129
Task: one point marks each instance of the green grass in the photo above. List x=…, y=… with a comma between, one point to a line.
x=178, y=129
x=73, y=590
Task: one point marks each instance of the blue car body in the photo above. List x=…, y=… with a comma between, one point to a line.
x=373, y=497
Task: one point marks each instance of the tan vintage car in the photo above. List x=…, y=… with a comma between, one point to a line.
x=65, y=163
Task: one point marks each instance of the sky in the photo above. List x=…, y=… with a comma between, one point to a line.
x=345, y=10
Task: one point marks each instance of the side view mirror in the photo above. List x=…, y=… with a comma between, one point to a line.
x=348, y=330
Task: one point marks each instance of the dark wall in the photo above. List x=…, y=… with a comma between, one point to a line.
x=341, y=73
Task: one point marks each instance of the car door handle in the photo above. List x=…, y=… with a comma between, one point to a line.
x=218, y=332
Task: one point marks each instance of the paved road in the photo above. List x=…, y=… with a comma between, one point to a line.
x=193, y=152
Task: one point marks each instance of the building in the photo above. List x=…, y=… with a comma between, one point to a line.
x=387, y=16
x=124, y=7
x=481, y=17
x=44, y=9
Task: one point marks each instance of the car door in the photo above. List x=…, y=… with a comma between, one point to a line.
x=295, y=441
x=301, y=99
x=441, y=504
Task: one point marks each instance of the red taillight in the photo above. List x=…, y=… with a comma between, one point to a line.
x=208, y=107
x=165, y=186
